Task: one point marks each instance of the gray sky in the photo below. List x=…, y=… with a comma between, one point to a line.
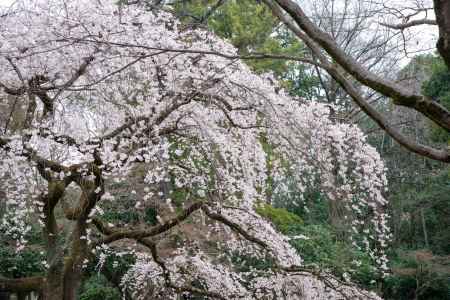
x=6, y=2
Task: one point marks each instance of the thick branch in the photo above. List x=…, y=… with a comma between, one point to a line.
x=27, y=284
x=400, y=94
x=381, y=120
x=143, y=233
x=12, y=91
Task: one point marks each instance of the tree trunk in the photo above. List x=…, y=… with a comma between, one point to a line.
x=64, y=275
x=53, y=283
x=73, y=265
x=63, y=284
x=72, y=281
x=424, y=227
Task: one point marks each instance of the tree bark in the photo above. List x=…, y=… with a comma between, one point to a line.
x=442, y=11
x=72, y=281
x=18, y=285
x=54, y=280
x=73, y=264
x=53, y=285
x=63, y=282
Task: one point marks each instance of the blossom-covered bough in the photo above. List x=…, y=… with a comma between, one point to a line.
x=104, y=88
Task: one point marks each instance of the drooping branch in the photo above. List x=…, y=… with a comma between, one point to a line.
x=234, y=226
x=329, y=280
x=166, y=274
x=202, y=117
x=249, y=56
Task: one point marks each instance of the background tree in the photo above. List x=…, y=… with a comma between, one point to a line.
x=252, y=29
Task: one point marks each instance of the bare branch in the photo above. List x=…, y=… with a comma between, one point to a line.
x=402, y=26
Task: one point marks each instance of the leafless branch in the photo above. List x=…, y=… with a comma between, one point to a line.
x=402, y=26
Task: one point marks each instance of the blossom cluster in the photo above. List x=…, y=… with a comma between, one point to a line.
x=110, y=86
